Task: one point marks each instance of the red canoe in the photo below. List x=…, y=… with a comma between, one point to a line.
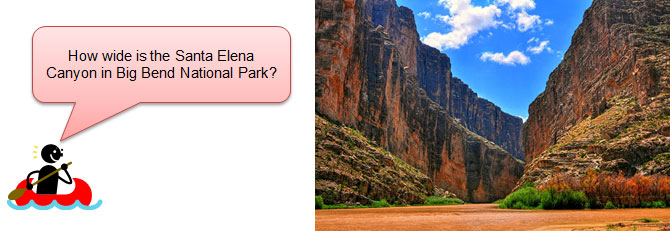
x=82, y=192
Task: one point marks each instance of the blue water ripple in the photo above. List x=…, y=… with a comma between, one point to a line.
x=76, y=204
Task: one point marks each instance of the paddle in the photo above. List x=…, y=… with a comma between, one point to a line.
x=17, y=193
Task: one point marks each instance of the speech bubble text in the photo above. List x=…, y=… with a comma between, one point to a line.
x=106, y=70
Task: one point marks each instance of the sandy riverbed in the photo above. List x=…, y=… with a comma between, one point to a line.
x=487, y=217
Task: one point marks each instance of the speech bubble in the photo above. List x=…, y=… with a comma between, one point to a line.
x=107, y=70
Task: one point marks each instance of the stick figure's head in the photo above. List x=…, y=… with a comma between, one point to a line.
x=51, y=153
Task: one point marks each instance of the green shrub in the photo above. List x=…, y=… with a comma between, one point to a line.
x=433, y=200
x=527, y=197
x=520, y=205
x=658, y=204
x=335, y=207
x=379, y=204
x=647, y=220
x=654, y=204
x=528, y=185
x=319, y=202
x=593, y=203
x=567, y=199
x=609, y=205
x=498, y=202
x=328, y=197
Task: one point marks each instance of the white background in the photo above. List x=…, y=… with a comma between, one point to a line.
x=165, y=166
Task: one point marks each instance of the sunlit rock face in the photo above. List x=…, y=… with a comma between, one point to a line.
x=374, y=75
x=605, y=105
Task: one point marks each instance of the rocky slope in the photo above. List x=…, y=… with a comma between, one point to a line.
x=370, y=69
x=606, y=105
x=351, y=169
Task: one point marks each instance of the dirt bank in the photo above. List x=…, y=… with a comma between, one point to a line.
x=487, y=217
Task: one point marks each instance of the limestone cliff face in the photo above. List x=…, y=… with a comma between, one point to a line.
x=485, y=118
x=606, y=106
x=609, y=56
x=350, y=169
x=370, y=67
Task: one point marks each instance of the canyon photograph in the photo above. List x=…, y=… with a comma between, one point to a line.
x=492, y=115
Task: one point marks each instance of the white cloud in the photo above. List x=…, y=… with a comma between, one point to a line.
x=513, y=58
x=548, y=22
x=508, y=26
x=466, y=21
x=425, y=14
x=533, y=39
x=518, y=10
x=525, y=22
x=518, y=4
x=540, y=47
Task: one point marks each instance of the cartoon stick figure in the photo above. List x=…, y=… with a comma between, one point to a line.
x=50, y=154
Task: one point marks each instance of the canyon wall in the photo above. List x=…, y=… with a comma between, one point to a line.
x=608, y=57
x=606, y=106
x=350, y=169
x=374, y=75
x=432, y=71
x=486, y=119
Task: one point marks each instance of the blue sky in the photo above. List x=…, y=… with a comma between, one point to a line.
x=504, y=49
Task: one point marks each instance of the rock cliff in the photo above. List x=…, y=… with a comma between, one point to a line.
x=350, y=169
x=485, y=118
x=606, y=105
x=372, y=73
x=432, y=71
